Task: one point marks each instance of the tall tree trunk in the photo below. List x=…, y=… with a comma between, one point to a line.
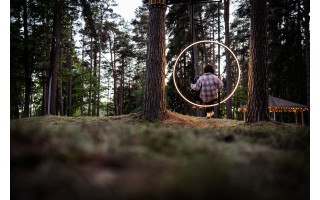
x=219, y=55
x=242, y=65
x=215, y=109
x=69, y=64
x=26, y=60
x=90, y=81
x=116, y=105
x=60, y=88
x=45, y=83
x=193, y=34
x=258, y=70
x=213, y=51
x=98, y=100
x=154, y=102
x=44, y=93
x=94, y=80
x=228, y=61
x=204, y=45
x=70, y=89
x=114, y=73
x=56, y=53
x=194, y=48
x=108, y=98
x=121, y=87
x=61, y=99
x=15, y=101
x=82, y=73
x=185, y=83
x=306, y=5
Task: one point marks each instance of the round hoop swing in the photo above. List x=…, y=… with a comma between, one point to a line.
x=174, y=73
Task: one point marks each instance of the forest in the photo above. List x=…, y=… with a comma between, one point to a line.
x=102, y=107
x=79, y=58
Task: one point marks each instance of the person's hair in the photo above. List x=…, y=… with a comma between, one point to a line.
x=209, y=68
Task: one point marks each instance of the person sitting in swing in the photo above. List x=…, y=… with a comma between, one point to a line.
x=208, y=84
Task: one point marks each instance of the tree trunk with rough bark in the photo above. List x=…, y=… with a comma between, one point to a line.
x=114, y=73
x=26, y=60
x=94, y=81
x=44, y=93
x=60, y=88
x=306, y=5
x=69, y=64
x=121, y=87
x=194, y=49
x=90, y=81
x=116, y=98
x=228, y=61
x=154, y=103
x=258, y=71
x=204, y=45
x=82, y=72
x=56, y=54
x=98, y=100
x=215, y=109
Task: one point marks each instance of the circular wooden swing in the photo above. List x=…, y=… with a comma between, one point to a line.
x=174, y=73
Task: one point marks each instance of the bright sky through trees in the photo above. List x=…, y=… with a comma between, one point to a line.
x=126, y=8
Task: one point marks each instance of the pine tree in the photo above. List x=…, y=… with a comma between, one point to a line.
x=228, y=61
x=154, y=94
x=55, y=53
x=26, y=61
x=257, y=106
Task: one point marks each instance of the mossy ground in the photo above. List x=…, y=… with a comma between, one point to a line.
x=178, y=157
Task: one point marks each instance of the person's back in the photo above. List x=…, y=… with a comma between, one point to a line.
x=208, y=84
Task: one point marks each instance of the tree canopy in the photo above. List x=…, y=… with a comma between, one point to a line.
x=101, y=60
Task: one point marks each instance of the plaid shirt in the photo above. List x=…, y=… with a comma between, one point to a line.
x=209, y=84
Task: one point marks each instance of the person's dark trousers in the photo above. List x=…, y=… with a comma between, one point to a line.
x=210, y=109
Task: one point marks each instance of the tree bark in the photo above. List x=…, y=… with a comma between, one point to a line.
x=215, y=109
x=90, y=81
x=44, y=94
x=204, y=45
x=193, y=35
x=69, y=64
x=228, y=61
x=98, y=100
x=154, y=102
x=306, y=5
x=26, y=60
x=116, y=105
x=82, y=72
x=60, y=89
x=56, y=54
x=194, y=48
x=15, y=100
x=45, y=88
x=258, y=70
x=114, y=72
x=94, y=80
x=121, y=87
x=219, y=56
x=61, y=99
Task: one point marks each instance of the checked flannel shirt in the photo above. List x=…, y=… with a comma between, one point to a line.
x=209, y=84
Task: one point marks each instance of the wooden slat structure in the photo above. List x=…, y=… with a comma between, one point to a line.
x=280, y=105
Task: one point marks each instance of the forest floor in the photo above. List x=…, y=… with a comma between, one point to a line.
x=177, y=157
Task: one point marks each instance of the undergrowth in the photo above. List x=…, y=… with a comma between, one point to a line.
x=83, y=159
